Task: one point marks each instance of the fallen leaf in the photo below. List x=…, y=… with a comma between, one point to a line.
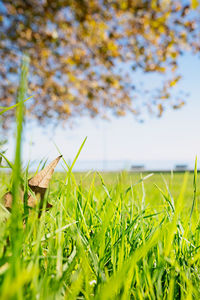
x=38, y=184
x=8, y=198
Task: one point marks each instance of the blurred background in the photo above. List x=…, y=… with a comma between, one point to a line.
x=126, y=74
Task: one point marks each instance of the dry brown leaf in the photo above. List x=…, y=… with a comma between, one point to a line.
x=38, y=184
x=8, y=198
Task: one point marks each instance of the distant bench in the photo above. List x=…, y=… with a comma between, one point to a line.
x=137, y=168
x=181, y=167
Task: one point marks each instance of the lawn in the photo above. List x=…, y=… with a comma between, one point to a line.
x=107, y=236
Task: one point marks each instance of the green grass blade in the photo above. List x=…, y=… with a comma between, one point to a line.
x=5, y=109
x=16, y=233
x=195, y=187
x=78, y=153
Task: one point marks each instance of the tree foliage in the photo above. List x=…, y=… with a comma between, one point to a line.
x=84, y=53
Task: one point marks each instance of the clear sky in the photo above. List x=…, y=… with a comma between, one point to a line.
x=173, y=138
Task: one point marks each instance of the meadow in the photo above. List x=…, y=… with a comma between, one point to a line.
x=107, y=236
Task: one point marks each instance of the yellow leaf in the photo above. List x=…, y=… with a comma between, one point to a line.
x=67, y=108
x=174, y=55
x=45, y=52
x=160, y=110
x=154, y=4
x=162, y=69
x=71, y=77
x=194, y=4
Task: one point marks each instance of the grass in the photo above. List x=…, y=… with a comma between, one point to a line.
x=105, y=239
x=108, y=236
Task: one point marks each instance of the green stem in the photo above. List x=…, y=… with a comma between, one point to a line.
x=16, y=227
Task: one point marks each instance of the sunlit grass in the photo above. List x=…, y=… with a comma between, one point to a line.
x=105, y=238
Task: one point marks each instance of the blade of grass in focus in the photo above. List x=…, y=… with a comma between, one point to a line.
x=195, y=188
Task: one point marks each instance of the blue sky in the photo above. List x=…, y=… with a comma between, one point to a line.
x=173, y=138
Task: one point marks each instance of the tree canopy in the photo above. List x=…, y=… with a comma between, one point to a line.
x=83, y=53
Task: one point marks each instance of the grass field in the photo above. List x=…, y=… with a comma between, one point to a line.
x=108, y=236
